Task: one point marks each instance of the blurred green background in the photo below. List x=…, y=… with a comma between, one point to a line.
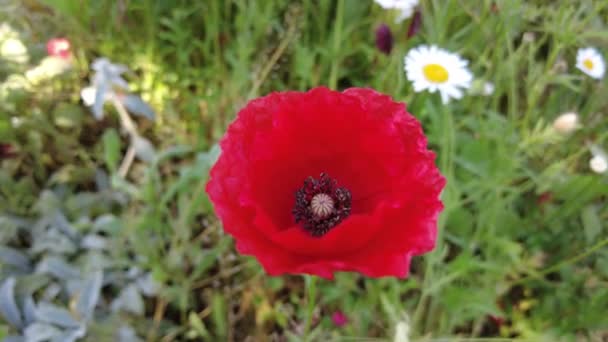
x=522, y=246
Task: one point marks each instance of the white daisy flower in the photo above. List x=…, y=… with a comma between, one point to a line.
x=591, y=62
x=405, y=7
x=432, y=68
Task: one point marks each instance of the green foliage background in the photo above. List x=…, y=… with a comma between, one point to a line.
x=522, y=244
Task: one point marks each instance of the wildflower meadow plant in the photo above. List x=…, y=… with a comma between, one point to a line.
x=177, y=171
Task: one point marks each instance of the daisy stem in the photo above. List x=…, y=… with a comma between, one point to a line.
x=311, y=293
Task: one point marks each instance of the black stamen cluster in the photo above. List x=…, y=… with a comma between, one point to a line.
x=302, y=211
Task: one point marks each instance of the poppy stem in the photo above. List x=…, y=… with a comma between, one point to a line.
x=311, y=294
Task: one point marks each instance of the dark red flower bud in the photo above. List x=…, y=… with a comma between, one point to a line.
x=497, y=320
x=6, y=151
x=545, y=197
x=415, y=24
x=384, y=39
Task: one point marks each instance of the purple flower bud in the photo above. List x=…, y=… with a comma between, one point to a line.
x=384, y=39
x=415, y=24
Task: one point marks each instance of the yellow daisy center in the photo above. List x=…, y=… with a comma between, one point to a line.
x=588, y=63
x=435, y=73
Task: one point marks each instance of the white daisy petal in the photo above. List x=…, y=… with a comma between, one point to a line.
x=445, y=99
x=454, y=92
x=405, y=7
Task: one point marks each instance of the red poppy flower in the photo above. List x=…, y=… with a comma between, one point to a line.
x=58, y=47
x=326, y=181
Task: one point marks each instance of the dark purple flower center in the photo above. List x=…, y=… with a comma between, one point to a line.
x=321, y=205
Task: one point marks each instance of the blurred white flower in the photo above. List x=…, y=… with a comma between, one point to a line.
x=12, y=49
x=16, y=121
x=405, y=7
x=481, y=87
x=48, y=68
x=402, y=332
x=87, y=94
x=435, y=69
x=11, y=83
x=598, y=164
x=488, y=88
x=528, y=37
x=566, y=123
x=591, y=62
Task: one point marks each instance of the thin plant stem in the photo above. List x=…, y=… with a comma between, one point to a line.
x=272, y=61
x=311, y=294
x=129, y=126
x=333, y=75
x=125, y=119
x=125, y=165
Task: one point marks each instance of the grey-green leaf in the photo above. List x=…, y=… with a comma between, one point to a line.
x=49, y=313
x=8, y=305
x=89, y=295
x=38, y=332
x=15, y=258
x=136, y=105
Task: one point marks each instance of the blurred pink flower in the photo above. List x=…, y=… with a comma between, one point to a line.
x=59, y=47
x=339, y=318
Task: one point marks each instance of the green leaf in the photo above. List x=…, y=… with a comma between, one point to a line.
x=68, y=115
x=591, y=223
x=219, y=314
x=198, y=326
x=111, y=149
